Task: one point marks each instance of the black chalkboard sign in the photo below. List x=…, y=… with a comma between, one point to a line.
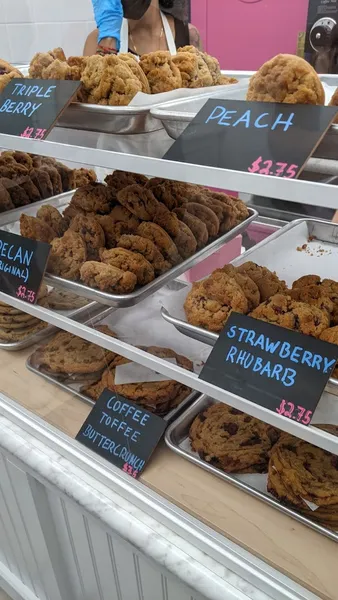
x=30, y=107
x=274, y=367
x=122, y=432
x=22, y=266
x=254, y=137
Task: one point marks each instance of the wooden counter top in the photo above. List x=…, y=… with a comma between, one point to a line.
x=302, y=554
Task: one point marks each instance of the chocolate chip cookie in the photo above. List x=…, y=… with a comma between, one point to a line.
x=126, y=260
x=148, y=249
x=50, y=215
x=205, y=214
x=162, y=240
x=91, y=232
x=231, y=440
x=107, y=278
x=67, y=256
x=35, y=229
x=93, y=198
x=185, y=240
x=267, y=282
x=196, y=226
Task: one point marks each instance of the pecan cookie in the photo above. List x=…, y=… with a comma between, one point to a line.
x=300, y=473
x=67, y=255
x=196, y=226
x=60, y=300
x=5, y=199
x=35, y=229
x=148, y=249
x=162, y=240
x=129, y=261
x=91, y=232
x=51, y=216
x=185, y=240
x=206, y=215
x=283, y=311
x=231, y=440
x=107, y=278
x=210, y=302
x=306, y=280
x=267, y=282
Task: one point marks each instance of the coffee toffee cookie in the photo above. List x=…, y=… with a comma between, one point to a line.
x=162, y=240
x=286, y=78
x=36, y=229
x=91, y=232
x=206, y=215
x=51, y=216
x=129, y=261
x=119, y=222
x=148, y=249
x=210, y=302
x=305, y=477
x=67, y=256
x=267, y=282
x=107, y=278
x=196, y=226
x=283, y=311
x=231, y=440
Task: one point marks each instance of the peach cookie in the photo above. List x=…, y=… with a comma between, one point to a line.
x=35, y=229
x=331, y=335
x=67, y=255
x=231, y=440
x=107, y=278
x=210, y=302
x=283, y=311
x=129, y=261
x=267, y=282
x=91, y=232
x=286, y=78
x=148, y=249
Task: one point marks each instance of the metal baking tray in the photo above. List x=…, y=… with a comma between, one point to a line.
x=11, y=222
x=279, y=253
x=74, y=388
x=177, y=439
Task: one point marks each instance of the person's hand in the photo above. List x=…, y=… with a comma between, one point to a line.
x=108, y=17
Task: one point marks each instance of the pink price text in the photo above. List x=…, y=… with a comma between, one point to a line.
x=23, y=294
x=34, y=134
x=129, y=469
x=296, y=413
x=277, y=169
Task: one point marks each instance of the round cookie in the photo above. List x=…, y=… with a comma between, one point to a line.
x=107, y=278
x=162, y=240
x=306, y=280
x=129, y=261
x=18, y=195
x=51, y=216
x=93, y=198
x=121, y=179
x=231, y=440
x=148, y=249
x=314, y=295
x=247, y=284
x=91, y=232
x=196, y=226
x=67, y=255
x=35, y=229
x=206, y=215
x=286, y=78
x=267, y=282
x=18, y=335
x=283, y=311
x=185, y=241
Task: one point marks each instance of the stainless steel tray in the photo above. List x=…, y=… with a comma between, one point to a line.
x=177, y=439
x=11, y=222
x=279, y=253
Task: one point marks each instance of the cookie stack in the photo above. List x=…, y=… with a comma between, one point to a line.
x=16, y=325
x=123, y=235
x=159, y=397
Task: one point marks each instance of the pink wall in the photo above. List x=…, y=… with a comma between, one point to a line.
x=245, y=33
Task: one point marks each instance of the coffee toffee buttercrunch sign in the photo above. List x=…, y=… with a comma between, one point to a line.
x=255, y=137
x=22, y=266
x=277, y=368
x=122, y=432
x=30, y=107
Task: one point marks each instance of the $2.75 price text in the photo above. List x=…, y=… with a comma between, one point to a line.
x=277, y=169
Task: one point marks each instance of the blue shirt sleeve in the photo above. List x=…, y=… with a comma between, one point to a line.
x=108, y=16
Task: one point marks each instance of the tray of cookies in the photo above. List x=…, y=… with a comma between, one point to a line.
x=285, y=472
x=119, y=242
x=273, y=281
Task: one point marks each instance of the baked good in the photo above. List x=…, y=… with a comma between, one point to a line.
x=306, y=280
x=66, y=176
x=211, y=62
x=36, y=229
x=121, y=179
x=126, y=260
x=172, y=193
x=5, y=199
x=231, y=440
x=283, y=311
x=41, y=179
x=7, y=73
x=91, y=232
x=139, y=201
x=148, y=249
x=61, y=300
x=326, y=287
x=161, y=72
x=158, y=397
x=267, y=282
x=185, y=240
x=331, y=335
x=313, y=295
x=136, y=69
x=305, y=477
x=247, y=284
x=81, y=177
x=205, y=214
x=29, y=187
x=196, y=226
x=67, y=255
x=194, y=70
x=210, y=302
x=107, y=278
x=55, y=178
x=50, y=215
x=162, y=240
x=67, y=353
x=286, y=78
x=17, y=335
x=17, y=194
x=92, y=198
x=334, y=102
x=109, y=81
x=19, y=157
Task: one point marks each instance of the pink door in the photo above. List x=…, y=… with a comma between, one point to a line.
x=245, y=33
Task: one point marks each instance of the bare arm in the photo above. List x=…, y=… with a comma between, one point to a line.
x=195, y=38
x=91, y=44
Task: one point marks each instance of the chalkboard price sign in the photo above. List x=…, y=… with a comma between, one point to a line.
x=122, y=432
x=22, y=266
x=274, y=367
x=254, y=137
x=30, y=107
